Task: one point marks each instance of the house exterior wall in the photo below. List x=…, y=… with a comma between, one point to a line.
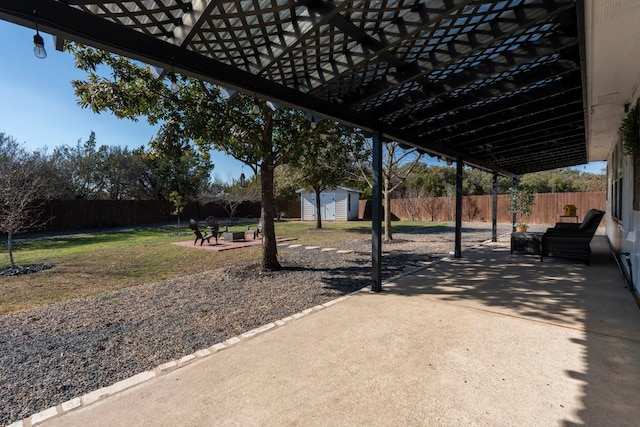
x=622, y=223
x=622, y=219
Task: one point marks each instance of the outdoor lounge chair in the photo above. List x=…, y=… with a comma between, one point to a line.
x=214, y=227
x=568, y=240
x=194, y=227
x=257, y=232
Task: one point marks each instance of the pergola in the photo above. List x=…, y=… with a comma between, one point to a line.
x=498, y=85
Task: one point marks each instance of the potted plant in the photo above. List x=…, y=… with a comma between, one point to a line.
x=520, y=226
x=519, y=203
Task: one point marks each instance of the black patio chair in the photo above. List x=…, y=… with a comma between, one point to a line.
x=214, y=227
x=194, y=227
x=567, y=240
x=257, y=232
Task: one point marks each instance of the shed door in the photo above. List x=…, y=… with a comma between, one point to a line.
x=328, y=206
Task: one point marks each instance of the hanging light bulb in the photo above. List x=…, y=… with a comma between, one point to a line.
x=314, y=125
x=38, y=45
x=256, y=107
x=174, y=81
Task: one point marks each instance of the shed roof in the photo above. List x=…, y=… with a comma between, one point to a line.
x=347, y=189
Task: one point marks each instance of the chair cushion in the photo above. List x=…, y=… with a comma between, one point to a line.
x=591, y=215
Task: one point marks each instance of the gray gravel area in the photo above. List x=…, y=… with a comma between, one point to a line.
x=61, y=351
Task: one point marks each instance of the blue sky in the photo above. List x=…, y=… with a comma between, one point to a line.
x=38, y=107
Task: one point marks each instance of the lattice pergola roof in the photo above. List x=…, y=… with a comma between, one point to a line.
x=498, y=84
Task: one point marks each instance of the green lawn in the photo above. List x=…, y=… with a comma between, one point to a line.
x=95, y=263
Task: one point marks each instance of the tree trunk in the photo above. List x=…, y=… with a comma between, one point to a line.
x=318, y=213
x=10, y=247
x=387, y=215
x=267, y=214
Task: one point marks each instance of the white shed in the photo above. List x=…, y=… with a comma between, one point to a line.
x=338, y=204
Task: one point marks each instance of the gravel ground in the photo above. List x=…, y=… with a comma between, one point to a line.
x=51, y=354
x=23, y=269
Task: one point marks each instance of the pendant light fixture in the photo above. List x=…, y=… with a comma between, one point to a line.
x=256, y=107
x=174, y=82
x=314, y=124
x=173, y=79
x=38, y=43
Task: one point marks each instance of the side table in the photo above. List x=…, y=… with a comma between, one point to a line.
x=569, y=218
x=527, y=242
x=233, y=236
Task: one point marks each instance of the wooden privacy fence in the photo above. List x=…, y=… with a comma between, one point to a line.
x=67, y=215
x=547, y=208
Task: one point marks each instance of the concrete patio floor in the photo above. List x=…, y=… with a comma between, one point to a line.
x=491, y=339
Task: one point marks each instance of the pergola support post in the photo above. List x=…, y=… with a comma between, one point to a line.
x=494, y=209
x=514, y=216
x=376, y=215
x=458, y=236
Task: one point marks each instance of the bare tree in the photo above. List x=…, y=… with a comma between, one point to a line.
x=433, y=205
x=413, y=202
x=237, y=195
x=450, y=200
x=396, y=167
x=470, y=208
x=20, y=188
x=230, y=196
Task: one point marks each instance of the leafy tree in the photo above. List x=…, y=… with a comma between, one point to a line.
x=119, y=169
x=327, y=160
x=285, y=185
x=20, y=188
x=196, y=111
x=431, y=179
x=556, y=181
x=74, y=171
x=263, y=141
x=88, y=171
x=594, y=182
x=178, y=204
x=159, y=174
x=521, y=198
